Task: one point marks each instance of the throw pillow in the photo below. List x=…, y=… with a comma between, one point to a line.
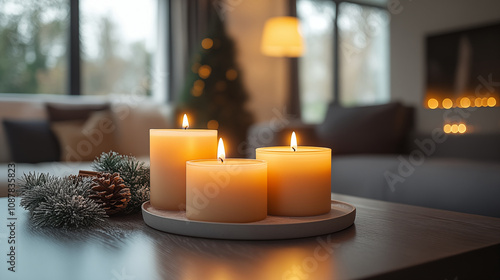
x=370, y=129
x=85, y=140
x=69, y=112
x=133, y=122
x=31, y=141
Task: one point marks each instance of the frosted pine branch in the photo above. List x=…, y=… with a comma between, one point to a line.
x=60, y=202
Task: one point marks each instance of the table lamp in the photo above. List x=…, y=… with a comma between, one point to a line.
x=281, y=38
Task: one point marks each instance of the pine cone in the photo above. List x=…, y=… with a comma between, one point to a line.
x=110, y=190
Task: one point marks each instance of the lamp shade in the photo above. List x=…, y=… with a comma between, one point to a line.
x=282, y=38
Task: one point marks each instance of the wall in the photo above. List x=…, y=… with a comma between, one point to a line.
x=411, y=21
x=264, y=77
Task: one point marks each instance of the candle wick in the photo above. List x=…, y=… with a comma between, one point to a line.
x=185, y=128
x=221, y=159
x=293, y=148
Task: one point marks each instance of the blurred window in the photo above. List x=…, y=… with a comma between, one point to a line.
x=363, y=58
x=316, y=64
x=364, y=55
x=33, y=43
x=118, y=42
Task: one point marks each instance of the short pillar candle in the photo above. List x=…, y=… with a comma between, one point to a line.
x=226, y=190
x=299, y=180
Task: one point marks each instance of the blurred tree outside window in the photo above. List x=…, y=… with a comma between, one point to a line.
x=117, y=41
x=316, y=64
x=364, y=55
x=33, y=43
x=363, y=62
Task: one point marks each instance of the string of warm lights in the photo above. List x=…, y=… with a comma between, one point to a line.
x=455, y=128
x=464, y=102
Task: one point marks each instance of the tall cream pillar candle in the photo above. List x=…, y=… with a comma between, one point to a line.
x=169, y=150
x=299, y=179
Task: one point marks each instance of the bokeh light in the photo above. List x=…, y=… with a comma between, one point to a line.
x=207, y=43
x=231, y=74
x=465, y=102
x=204, y=71
x=447, y=128
x=492, y=102
x=447, y=103
x=462, y=128
x=477, y=102
x=432, y=103
x=484, y=101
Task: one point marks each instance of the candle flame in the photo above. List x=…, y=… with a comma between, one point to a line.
x=185, y=123
x=221, y=152
x=293, y=142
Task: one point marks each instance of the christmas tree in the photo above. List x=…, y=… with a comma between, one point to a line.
x=214, y=96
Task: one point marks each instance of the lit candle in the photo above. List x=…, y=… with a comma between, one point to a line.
x=298, y=179
x=226, y=190
x=169, y=150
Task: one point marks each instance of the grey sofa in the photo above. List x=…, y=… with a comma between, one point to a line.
x=376, y=154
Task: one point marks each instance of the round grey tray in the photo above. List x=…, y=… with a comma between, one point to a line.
x=340, y=217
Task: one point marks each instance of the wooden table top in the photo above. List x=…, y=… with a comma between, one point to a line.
x=387, y=241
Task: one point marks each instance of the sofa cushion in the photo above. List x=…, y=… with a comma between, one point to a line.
x=133, y=122
x=69, y=112
x=85, y=140
x=370, y=129
x=31, y=141
x=26, y=109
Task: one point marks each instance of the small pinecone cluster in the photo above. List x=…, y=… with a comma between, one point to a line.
x=111, y=191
